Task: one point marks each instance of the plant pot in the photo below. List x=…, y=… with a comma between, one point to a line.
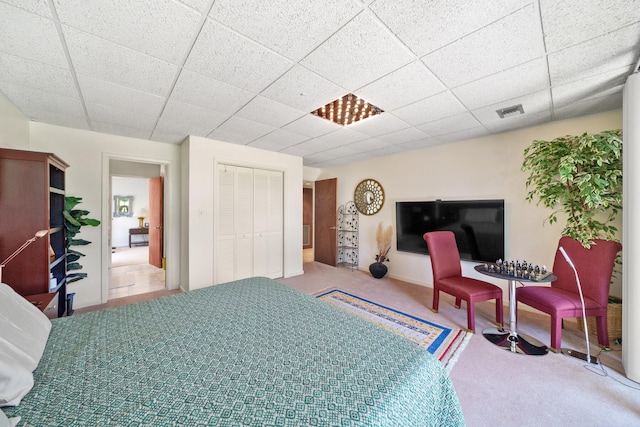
x=614, y=322
x=378, y=270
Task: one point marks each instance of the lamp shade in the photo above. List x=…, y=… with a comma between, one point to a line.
x=143, y=213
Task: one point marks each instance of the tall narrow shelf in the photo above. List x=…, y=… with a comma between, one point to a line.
x=32, y=198
x=348, y=223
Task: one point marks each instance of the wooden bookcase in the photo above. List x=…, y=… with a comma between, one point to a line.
x=32, y=198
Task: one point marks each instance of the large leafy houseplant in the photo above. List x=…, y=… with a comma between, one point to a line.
x=580, y=176
x=74, y=220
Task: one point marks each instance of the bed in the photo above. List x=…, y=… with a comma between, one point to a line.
x=251, y=352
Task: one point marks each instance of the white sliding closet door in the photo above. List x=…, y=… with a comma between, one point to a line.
x=268, y=226
x=250, y=228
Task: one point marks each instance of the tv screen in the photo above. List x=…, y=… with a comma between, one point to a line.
x=478, y=226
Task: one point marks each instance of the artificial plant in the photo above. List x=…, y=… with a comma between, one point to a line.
x=74, y=220
x=383, y=239
x=580, y=176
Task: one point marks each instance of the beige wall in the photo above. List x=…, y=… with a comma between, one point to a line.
x=88, y=154
x=14, y=126
x=201, y=157
x=482, y=168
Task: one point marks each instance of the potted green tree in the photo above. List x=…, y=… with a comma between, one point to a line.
x=580, y=176
x=74, y=220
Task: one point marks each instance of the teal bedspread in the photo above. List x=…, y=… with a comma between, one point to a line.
x=253, y=352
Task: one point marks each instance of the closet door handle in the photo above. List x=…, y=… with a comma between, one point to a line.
x=332, y=228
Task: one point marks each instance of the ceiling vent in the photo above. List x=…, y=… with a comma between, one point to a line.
x=516, y=110
x=346, y=110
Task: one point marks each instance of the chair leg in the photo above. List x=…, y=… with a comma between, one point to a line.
x=556, y=333
x=603, y=333
x=499, y=313
x=458, y=302
x=471, y=319
x=436, y=300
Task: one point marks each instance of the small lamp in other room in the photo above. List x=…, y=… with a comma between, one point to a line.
x=38, y=235
x=141, y=216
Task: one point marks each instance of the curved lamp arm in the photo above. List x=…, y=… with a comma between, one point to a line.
x=38, y=235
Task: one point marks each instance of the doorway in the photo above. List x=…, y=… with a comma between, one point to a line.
x=130, y=269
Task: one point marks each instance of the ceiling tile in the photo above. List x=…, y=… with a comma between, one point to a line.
x=278, y=140
x=608, y=52
x=427, y=26
x=368, y=144
x=161, y=28
x=39, y=7
x=31, y=101
x=339, y=152
x=103, y=60
x=379, y=125
x=114, y=96
x=590, y=106
x=416, y=145
x=312, y=126
x=235, y=60
x=298, y=150
x=119, y=129
x=538, y=102
x=410, y=83
x=196, y=89
x=240, y=131
x=443, y=126
x=357, y=54
x=599, y=85
x=461, y=135
x=170, y=138
x=36, y=75
x=269, y=112
x=402, y=136
x=186, y=119
x=270, y=23
x=521, y=80
x=570, y=22
x=57, y=118
x=200, y=5
x=511, y=41
x=303, y=89
x=116, y=116
x=30, y=36
x=433, y=108
x=340, y=137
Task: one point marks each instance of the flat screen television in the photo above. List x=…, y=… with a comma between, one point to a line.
x=478, y=226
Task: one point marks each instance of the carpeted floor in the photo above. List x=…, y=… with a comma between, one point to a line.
x=496, y=387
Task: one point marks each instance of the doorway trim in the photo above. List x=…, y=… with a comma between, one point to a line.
x=106, y=218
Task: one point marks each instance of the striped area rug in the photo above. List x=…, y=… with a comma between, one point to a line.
x=444, y=343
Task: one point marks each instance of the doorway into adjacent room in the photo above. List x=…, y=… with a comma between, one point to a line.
x=135, y=233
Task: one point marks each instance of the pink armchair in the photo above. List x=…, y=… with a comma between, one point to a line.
x=561, y=299
x=447, y=277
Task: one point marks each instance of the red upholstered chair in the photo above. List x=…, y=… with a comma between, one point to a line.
x=447, y=277
x=562, y=299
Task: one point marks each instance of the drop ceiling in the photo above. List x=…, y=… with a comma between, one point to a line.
x=251, y=72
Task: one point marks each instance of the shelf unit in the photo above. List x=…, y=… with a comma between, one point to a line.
x=32, y=198
x=348, y=223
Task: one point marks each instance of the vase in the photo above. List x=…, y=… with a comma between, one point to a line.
x=378, y=270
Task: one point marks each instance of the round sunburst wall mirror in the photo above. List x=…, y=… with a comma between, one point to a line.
x=369, y=196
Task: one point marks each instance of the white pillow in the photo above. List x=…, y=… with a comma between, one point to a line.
x=15, y=381
x=8, y=422
x=25, y=329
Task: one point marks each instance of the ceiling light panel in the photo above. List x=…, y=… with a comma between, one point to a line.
x=346, y=110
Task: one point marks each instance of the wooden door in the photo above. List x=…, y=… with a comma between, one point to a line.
x=155, y=221
x=326, y=220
